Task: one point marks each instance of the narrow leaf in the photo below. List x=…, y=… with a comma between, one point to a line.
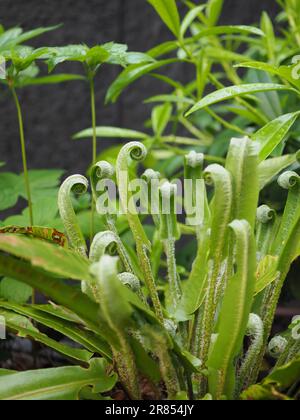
x=236, y=91
x=272, y=134
x=168, y=12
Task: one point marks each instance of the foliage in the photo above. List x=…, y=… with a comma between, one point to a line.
x=194, y=322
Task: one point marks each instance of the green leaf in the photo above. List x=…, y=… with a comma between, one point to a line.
x=51, y=258
x=168, y=12
x=24, y=328
x=14, y=291
x=280, y=380
x=160, y=118
x=163, y=49
x=285, y=376
x=189, y=19
x=8, y=36
x=110, y=132
x=49, y=80
x=236, y=91
x=10, y=186
x=221, y=54
x=57, y=384
x=16, y=36
x=272, y=134
x=242, y=163
x=266, y=273
x=68, y=328
x=220, y=30
x=26, y=36
x=213, y=11
x=53, y=288
x=4, y=372
x=270, y=39
x=169, y=98
x=270, y=168
x=44, y=211
x=234, y=314
x=131, y=74
x=284, y=72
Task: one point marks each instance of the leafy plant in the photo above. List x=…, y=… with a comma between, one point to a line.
x=198, y=338
x=193, y=322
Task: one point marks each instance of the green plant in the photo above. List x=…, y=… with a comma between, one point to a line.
x=21, y=71
x=194, y=324
x=197, y=337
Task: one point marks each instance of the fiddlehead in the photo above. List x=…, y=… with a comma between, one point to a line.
x=277, y=346
x=255, y=330
x=265, y=221
x=130, y=280
x=292, y=349
x=102, y=171
x=137, y=152
x=77, y=184
x=133, y=151
x=103, y=243
x=289, y=181
x=286, y=246
x=111, y=240
x=221, y=216
x=169, y=233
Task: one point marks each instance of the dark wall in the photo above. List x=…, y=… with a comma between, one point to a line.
x=53, y=114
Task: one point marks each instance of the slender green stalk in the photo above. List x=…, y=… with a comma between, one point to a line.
x=24, y=154
x=94, y=149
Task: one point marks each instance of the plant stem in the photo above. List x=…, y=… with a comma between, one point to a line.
x=94, y=149
x=24, y=155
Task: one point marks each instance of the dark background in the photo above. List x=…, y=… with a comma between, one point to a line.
x=53, y=114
